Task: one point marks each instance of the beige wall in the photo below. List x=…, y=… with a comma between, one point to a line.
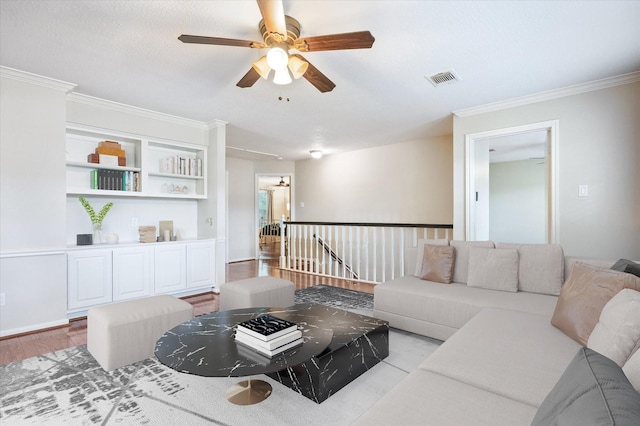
x=599, y=145
x=408, y=182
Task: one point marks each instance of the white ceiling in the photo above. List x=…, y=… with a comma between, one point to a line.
x=128, y=52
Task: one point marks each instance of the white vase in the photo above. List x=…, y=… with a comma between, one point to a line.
x=97, y=233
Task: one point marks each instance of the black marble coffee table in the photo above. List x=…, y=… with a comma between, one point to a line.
x=338, y=347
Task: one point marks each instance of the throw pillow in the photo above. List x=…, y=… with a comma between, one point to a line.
x=628, y=266
x=617, y=334
x=437, y=263
x=632, y=370
x=540, y=268
x=593, y=390
x=420, y=251
x=461, y=268
x=583, y=296
x=495, y=269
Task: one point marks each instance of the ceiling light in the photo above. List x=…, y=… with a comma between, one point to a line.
x=315, y=153
x=282, y=77
x=262, y=67
x=297, y=66
x=278, y=58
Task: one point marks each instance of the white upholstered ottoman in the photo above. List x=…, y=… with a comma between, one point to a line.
x=126, y=332
x=256, y=292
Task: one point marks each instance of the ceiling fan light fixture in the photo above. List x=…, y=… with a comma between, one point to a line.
x=297, y=66
x=262, y=67
x=277, y=57
x=282, y=77
x=315, y=154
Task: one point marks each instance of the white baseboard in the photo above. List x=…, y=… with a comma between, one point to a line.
x=34, y=327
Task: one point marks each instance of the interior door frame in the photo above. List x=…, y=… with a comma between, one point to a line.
x=256, y=220
x=552, y=161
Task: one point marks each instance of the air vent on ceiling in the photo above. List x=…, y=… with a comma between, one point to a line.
x=442, y=78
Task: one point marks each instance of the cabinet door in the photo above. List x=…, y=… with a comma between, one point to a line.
x=170, y=268
x=132, y=272
x=89, y=278
x=201, y=265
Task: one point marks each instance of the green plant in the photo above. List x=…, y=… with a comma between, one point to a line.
x=95, y=218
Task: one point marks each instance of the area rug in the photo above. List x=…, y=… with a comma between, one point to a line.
x=337, y=297
x=69, y=387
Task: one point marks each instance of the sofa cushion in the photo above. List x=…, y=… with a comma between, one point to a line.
x=583, y=296
x=437, y=263
x=495, y=269
x=517, y=355
x=420, y=251
x=541, y=267
x=593, y=390
x=631, y=369
x=617, y=333
x=461, y=267
x=628, y=266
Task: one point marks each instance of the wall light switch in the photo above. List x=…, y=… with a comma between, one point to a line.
x=302, y=204
x=583, y=190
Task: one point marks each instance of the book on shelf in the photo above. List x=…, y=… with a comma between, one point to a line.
x=270, y=344
x=276, y=351
x=114, y=180
x=267, y=327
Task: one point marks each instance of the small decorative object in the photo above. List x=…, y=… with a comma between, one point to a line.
x=96, y=219
x=84, y=239
x=147, y=234
x=166, y=230
x=112, y=238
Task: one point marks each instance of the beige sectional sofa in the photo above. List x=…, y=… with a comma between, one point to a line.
x=502, y=356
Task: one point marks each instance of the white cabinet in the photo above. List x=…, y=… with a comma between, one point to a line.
x=170, y=268
x=88, y=278
x=99, y=275
x=132, y=272
x=200, y=264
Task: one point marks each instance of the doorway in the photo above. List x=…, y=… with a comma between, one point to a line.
x=519, y=213
x=273, y=201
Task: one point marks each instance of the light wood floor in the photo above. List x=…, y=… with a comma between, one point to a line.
x=42, y=342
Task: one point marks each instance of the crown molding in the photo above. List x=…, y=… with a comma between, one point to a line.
x=129, y=109
x=551, y=94
x=27, y=77
x=216, y=123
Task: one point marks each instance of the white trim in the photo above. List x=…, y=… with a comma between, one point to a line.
x=27, y=77
x=553, y=126
x=31, y=253
x=551, y=94
x=216, y=123
x=34, y=327
x=129, y=109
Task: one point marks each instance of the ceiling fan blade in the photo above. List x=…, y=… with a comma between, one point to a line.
x=219, y=41
x=315, y=77
x=249, y=78
x=272, y=12
x=357, y=40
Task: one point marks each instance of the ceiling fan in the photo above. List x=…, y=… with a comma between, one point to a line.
x=281, y=34
x=282, y=184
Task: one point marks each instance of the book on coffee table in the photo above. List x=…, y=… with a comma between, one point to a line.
x=277, y=351
x=267, y=327
x=269, y=345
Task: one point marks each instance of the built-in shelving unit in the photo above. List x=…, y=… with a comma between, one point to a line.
x=164, y=168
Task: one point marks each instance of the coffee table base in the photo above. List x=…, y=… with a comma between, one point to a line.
x=249, y=392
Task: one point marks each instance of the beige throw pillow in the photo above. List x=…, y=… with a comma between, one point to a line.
x=617, y=334
x=541, y=267
x=437, y=263
x=495, y=269
x=420, y=251
x=584, y=294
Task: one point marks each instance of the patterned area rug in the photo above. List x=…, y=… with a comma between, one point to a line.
x=336, y=297
x=69, y=387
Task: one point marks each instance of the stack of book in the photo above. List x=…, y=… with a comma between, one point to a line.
x=147, y=234
x=268, y=335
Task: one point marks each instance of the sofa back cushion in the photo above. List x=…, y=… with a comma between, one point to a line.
x=437, y=263
x=495, y=269
x=461, y=267
x=584, y=295
x=420, y=251
x=617, y=333
x=541, y=267
x=631, y=369
x=593, y=390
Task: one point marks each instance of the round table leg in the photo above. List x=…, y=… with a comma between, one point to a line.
x=249, y=392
